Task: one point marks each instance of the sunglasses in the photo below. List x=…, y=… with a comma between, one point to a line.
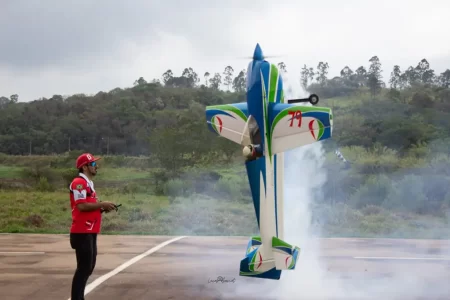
x=92, y=164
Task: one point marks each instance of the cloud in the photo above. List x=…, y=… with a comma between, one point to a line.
x=66, y=47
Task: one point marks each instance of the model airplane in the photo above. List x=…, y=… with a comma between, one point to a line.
x=266, y=126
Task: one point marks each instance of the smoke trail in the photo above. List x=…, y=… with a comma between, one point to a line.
x=304, y=174
x=317, y=277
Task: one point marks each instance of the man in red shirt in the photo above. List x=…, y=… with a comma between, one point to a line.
x=86, y=222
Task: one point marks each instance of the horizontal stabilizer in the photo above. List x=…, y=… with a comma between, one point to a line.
x=254, y=265
x=285, y=254
x=267, y=269
x=286, y=143
x=293, y=126
x=282, y=257
x=228, y=120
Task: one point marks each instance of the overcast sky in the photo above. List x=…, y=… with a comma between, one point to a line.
x=64, y=47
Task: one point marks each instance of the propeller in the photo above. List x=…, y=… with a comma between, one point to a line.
x=265, y=56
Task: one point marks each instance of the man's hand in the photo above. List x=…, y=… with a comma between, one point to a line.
x=107, y=206
x=103, y=206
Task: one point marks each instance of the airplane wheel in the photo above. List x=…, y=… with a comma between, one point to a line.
x=313, y=99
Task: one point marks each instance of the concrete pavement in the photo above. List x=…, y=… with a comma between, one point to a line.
x=42, y=266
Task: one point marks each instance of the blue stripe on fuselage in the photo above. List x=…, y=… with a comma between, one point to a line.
x=254, y=170
x=265, y=70
x=255, y=108
x=254, y=100
x=259, y=72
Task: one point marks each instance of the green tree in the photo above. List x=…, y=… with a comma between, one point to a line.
x=304, y=76
x=395, y=80
x=239, y=82
x=168, y=75
x=228, y=79
x=374, y=76
x=444, y=79
x=346, y=73
x=140, y=81
x=216, y=81
x=322, y=71
x=191, y=77
x=282, y=67
x=14, y=98
x=206, y=76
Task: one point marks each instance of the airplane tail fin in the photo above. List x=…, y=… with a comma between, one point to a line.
x=255, y=265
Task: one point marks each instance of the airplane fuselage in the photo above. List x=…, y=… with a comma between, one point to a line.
x=265, y=85
x=266, y=126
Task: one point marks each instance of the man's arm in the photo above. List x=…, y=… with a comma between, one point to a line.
x=86, y=206
x=104, y=206
x=79, y=188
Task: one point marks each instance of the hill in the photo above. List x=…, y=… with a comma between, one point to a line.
x=163, y=163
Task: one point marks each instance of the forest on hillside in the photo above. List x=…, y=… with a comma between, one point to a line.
x=394, y=136
x=410, y=108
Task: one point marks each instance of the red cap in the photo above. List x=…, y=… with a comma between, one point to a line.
x=85, y=158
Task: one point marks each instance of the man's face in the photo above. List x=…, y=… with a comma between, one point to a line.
x=92, y=168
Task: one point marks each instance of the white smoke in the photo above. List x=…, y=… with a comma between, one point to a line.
x=304, y=174
x=317, y=277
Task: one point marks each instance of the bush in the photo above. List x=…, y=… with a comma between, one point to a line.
x=34, y=220
x=44, y=186
x=160, y=178
x=176, y=188
x=68, y=175
x=37, y=171
x=229, y=187
x=373, y=192
x=407, y=195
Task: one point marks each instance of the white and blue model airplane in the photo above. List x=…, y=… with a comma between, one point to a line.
x=266, y=126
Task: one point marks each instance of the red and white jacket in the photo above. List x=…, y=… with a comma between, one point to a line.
x=82, y=191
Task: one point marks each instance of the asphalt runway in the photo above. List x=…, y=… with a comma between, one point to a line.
x=130, y=267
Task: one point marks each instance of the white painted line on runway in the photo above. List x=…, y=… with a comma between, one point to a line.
x=14, y=253
x=403, y=258
x=125, y=265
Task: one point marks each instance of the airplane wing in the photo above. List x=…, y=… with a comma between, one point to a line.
x=229, y=121
x=293, y=125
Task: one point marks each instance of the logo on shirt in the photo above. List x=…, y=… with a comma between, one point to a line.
x=79, y=194
x=79, y=187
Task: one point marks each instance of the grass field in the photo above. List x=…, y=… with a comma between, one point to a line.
x=39, y=206
x=10, y=172
x=49, y=212
x=203, y=202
